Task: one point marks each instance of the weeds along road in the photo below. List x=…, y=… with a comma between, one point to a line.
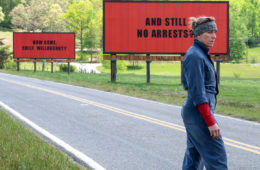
x=121, y=132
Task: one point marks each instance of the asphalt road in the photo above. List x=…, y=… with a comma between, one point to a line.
x=121, y=132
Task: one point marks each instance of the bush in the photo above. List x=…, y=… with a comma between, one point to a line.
x=252, y=42
x=238, y=50
x=4, y=54
x=121, y=64
x=64, y=68
x=82, y=57
x=237, y=75
x=253, y=60
x=10, y=65
x=135, y=67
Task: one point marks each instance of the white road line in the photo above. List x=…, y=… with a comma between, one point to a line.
x=87, y=160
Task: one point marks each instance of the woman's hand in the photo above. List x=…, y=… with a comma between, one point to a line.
x=214, y=131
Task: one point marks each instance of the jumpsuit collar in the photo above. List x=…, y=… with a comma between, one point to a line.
x=204, y=49
x=201, y=45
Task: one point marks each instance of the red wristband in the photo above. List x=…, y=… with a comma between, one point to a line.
x=206, y=114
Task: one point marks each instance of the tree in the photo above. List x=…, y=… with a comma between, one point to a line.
x=62, y=3
x=7, y=6
x=98, y=8
x=93, y=33
x=251, y=10
x=90, y=40
x=30, y=16
x=19, y=16
x=4, y=54
x=78, y=17
x=33, y=15
x=2, y=15
x=54, y=22
x=238, y=32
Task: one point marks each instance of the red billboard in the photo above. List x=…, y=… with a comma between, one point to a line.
x=44, y=45
x=160, y=27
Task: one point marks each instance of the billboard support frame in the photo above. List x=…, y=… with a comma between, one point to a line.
x=35, y=60
x=113, y=67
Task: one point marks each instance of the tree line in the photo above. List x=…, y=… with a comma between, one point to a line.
x=84, y=17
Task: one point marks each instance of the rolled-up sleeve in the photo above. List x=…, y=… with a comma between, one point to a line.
x=194, y=75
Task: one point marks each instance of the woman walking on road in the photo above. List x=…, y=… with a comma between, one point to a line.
x=205, y=146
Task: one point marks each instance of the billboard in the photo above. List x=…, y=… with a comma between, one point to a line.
x=159, y=27
x=44, y=45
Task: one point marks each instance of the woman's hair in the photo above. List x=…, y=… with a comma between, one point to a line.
x=194, y=22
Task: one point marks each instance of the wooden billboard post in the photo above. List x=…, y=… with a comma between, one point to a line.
x=113, y=68
x=182, y=58
x=218, y=70
x=34, y=63
x=18, y=64
x=148, y=61
x=68, y=67
x=51, y=65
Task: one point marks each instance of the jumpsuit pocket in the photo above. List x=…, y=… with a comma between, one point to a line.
x=209, y=75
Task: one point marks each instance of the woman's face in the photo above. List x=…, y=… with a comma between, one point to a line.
x=207, y=38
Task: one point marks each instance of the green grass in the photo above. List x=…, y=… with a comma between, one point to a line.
x=156, y=68
x=240, y=71
x=7, y=35
x=239, y=97
x=243, y=71
x=254, y=55
x=20, y=148
x=227, y=70
x=30, y=66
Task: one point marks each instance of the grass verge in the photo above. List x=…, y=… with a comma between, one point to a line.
x=254, y=55
x=20, y=148
x=238, y=97
x=227, y=70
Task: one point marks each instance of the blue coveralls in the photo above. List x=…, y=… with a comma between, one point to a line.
x=199, y=79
